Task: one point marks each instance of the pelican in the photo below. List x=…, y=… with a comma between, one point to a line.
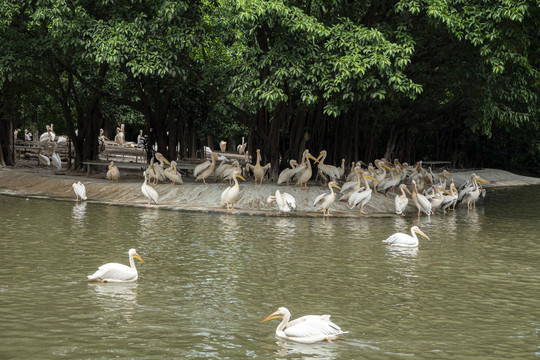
x=227, y=174
x=113, y=173
x=230, y=194
x=470, y=197
x=242, y=148
x=285, y=201
x=43, y=159
x=307, y=329
x=362, y=197
x=159, y=168
x=437, y=199
x=341, y=169
x=120, y=136
x=218, y=172
x=422, y=204
x=451, y=198
x=401, y=201
x=325, y=169
x=149, y=192
x=305, y=172
x=27, y=135
x=56, y=161
x=223, y=146
x=47, y=135
x=114, y=272
x=326, y=200
x=172, y=174
x=204, y=170
x=258, y=170
x=401, y=239
x=80, y=190
x=287, y=173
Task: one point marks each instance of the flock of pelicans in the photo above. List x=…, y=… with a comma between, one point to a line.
x=429, y=192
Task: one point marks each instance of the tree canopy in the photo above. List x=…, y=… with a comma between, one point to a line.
x=416, y=80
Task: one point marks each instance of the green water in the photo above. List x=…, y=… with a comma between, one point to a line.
x=470, y=293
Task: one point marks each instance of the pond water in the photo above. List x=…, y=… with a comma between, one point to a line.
x=208, y=279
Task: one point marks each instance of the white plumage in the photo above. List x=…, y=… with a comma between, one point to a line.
x=324, y=201
x=114, y=272
x=401, y=239
x=80, y=190
x=230, y=194
x=401, y=201
x=149, y=192
x=306, y=329
x=285, y=201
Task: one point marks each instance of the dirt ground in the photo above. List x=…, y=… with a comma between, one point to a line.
x=30, y=180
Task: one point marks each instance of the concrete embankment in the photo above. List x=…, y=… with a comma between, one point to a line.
x=194, y=196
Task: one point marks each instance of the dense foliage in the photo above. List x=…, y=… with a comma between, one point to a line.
x=421, y=79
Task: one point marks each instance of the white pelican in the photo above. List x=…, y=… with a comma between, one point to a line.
x=437, y=199
x=204, y=170
x=451, y=198
x=113, y=173
x=421, y=202
x=172, y=174
x=46, y=136
x=114, y=272
x=470, y=197
x=221, y=168
x=80, y=190
x=43, y=159
x=230, y=194
x=120, y=136
x=258, y=170
x=304, y=170
x=52, y=134
x=307, y=329
x=401, y=239
x=152, y=172
x=149, y=192
x=287, y=173
x=159, y=168
x=56, y=161
x=242, y=148
x=362, y=197
x=27, y=135
x=341, y=169
x=285, y=201
x=326, y=200
x=223, y=146
x=325, y=169
x=401, y=201
x=227, y=174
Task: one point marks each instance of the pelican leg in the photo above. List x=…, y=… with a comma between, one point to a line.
x=362, y=210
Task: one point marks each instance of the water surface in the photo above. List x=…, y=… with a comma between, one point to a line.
x=470, y=293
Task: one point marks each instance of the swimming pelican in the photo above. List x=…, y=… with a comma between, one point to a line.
x=230, y=194
x=113, y=173
x=258, y=170
x=364, y=196
x=204, y=170
x=326, y=200
x=401, y=239
x=149, y=192
x=56, y=161
x=80, y=190
x=172, y=174
x=401, y=201
x=114, y=272
x=285, y=201
x=421, y=202
x=306, y=329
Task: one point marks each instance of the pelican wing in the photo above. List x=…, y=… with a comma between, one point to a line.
x=358, y=197
x=401, y=240
x=313, y=327
x=424, y=203
x=401, y=203
x=319, y=199
x=289, y=199
x=114, y=272
x=201, y=167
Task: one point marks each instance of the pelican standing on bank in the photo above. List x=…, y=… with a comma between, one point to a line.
x=401, y=201
x=56, y=161
x=306, y=329
x=362, y=197
x=285, y=201
x=43, y=159
x=114, y=272
x=113, y=173
x=172, y=174
x=421, y=202
x=230, y=194
x=304, y=173
x=204, y=170
x=80, y=190
x=149, y=192
x=326, y=200
x=287, y=173
x=258, y=170
x=401, y=239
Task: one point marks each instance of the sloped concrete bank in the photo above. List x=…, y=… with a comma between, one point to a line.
x=194, y=196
